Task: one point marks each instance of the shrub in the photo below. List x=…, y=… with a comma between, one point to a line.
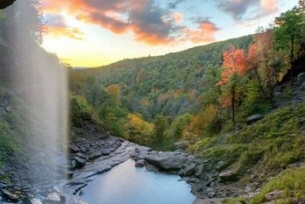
x=7, y=142
x=79, y=110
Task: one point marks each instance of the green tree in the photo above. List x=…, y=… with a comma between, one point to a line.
x=79, y=110
x=160, y=125
x=288, y=35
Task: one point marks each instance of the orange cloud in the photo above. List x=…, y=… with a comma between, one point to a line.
x=55, y=6
x=205, y=32
x=144, y=18
x=73, y=33
x=178, y=17
x=269, y=5
x=147, y=20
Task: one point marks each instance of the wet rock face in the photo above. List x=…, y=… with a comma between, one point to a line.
x=6, y=3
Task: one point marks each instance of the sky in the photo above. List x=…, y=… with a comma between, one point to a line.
x=91, y=33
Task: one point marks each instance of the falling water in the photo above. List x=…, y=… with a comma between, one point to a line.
x=40, y=84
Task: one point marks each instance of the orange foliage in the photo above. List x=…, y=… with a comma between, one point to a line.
x=260, y=49
x=234, y=62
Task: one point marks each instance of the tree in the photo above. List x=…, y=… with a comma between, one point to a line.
x=138, y=130
x=235, y=66
x=264, y=62
x=234, y=62
x=160, y=125
x=288, y=35
x=114, y=92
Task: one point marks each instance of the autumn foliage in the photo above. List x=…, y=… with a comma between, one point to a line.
x=234, y=62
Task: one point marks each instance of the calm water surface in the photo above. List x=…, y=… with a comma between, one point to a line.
x=126, y=184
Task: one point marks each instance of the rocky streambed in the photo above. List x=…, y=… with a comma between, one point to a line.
x=91, y=157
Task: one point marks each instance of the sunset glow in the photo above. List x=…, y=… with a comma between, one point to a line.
x=86, y=33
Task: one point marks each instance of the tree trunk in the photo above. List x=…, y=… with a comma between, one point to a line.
x=233, y=103
x=291, y=59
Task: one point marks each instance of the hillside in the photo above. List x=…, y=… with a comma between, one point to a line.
x=171, y=84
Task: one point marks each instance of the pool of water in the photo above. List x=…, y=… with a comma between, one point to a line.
x=125, y=184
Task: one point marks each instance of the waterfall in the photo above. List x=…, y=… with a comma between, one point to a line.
x=40, y=84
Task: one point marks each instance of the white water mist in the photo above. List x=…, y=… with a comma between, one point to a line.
x=41, y=84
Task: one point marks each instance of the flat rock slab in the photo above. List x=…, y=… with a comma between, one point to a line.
x=101, y=164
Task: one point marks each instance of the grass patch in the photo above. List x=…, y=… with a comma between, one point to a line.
x=205, y=143
x=7, y=141
x=272, y=143
x=291, y=181
x=241, y=200
x=229, y=154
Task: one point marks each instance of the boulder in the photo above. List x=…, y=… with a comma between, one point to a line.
x=199, y=170
x=190, y=169
x=80, y=155
x=73, y=164
x=106, y=151
x=168, y=161
x=181, y=172
x=253, y=118
x=210, y=192
x=3, y=184
x=55, y=198
x=79, y=162
x=73, y=148
x=228, y=176
x=302, y=87
x=95, y=155
x=10, y=195
x=301, y=77
x=182, y=145
x=140, y=163
x=220, y=165
x=83, y=149
x=274, y=195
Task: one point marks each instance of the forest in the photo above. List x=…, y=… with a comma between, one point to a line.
x=194, y=94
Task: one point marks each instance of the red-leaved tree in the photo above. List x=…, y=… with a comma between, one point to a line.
x=234, y=67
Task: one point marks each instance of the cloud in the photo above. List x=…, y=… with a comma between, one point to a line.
x=178, y=17
x=55, y=20
x=173, y=5
x=237, y=8
x=56, y=26
x=204, y=33
x=248, y=9
x=146, y=19
x=150, y=23
x=269, y=5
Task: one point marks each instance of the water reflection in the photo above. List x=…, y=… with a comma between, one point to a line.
x=129, y=185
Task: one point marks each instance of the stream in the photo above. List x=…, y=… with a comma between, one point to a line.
x=130, y=185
